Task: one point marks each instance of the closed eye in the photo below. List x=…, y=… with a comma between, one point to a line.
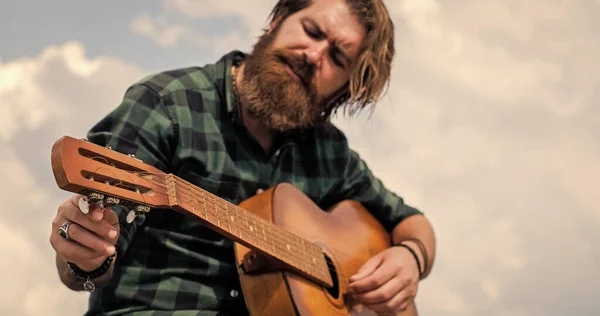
x=336, y=59
x=311, y=33
x=318, y=35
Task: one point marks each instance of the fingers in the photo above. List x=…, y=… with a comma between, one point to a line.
x=381, y=294
x=92, y=221
x=396, y=303
x=92, y=210
x=90, y=238
x=72, y=251
x=380, y=276
x=394, y=295
x=367, y=268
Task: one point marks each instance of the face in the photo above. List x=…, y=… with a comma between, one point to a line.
x=301, y=65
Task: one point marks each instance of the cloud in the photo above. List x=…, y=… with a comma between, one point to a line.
x=157, y=29
x=59, y=92
x=167, y=31
x=226, y=25
x=253, y=16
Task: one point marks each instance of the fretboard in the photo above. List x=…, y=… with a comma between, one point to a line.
x=250, y=230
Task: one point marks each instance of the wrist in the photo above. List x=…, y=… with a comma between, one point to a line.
x=419, y=252
x=90, y=276
x=418, y=261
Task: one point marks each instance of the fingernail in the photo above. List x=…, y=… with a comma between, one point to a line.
x=112, y=234
x=110, y=250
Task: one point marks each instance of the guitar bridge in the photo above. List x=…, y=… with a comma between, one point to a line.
x=257, y=262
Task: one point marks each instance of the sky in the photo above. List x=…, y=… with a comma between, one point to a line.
x=491, y=126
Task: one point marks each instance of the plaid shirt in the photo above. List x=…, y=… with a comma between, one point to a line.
x=185, y=122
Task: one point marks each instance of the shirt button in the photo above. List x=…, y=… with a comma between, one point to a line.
x=233, y=293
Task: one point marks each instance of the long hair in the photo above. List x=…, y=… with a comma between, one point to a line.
x=370, y=77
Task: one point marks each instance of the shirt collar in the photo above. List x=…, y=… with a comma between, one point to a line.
x=228, y=61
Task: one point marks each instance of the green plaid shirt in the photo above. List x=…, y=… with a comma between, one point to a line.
x=185, y=122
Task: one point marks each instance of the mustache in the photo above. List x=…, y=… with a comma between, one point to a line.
x=299, y=65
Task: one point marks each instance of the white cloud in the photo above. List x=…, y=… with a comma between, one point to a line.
x=59, y=85
x=60, y=92
x=163, y=32
x=253, y=16
x=157, y=29
x=29, y=268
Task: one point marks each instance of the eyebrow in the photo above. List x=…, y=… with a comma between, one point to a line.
x=336, y=47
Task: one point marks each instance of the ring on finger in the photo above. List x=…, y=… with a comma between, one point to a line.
x=63, y=230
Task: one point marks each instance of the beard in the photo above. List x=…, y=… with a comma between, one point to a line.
x=272, y=96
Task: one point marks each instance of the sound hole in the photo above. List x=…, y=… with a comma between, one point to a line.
x=334, y=290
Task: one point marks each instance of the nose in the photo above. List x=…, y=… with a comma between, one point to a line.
x=316, y=52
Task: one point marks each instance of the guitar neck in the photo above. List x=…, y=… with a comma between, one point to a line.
x=249, y=229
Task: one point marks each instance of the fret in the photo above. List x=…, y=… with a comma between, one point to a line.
x=204, y=207
x=253, y=230
x=306, y=265
x=193, y=200
x=229, y=217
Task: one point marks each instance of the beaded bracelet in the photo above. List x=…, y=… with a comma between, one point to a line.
x=88, y=285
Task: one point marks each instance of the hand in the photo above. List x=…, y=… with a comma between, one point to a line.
x=388, y=282
x=92, y=236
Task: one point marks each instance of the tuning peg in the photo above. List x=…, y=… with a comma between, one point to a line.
x=95, y=197
x=84, y=206
x=84, y=202
x=134, y=157
x=137, y=210
x=110, y=201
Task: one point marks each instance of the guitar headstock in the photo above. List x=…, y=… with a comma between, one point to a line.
x=103, y=174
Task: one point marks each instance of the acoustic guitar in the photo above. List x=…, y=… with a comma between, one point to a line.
x=293, y=258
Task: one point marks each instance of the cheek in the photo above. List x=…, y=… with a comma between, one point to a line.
x=290, y=37
x=330, y=79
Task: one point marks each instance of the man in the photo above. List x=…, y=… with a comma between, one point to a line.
x=236, y=127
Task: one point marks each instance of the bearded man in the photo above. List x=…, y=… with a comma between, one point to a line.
x=234, y=128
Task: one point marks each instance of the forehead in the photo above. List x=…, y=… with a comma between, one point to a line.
x=335, y=18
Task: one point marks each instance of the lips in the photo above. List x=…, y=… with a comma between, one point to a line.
x=295, y=73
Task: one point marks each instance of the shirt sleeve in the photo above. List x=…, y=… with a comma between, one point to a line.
x=360, y=184
x=143, y=126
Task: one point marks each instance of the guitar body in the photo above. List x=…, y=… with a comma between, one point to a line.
x=347, y=234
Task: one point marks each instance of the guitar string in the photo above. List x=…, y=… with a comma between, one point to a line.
x=216, y=199
x=219, y=202
x=216, y=202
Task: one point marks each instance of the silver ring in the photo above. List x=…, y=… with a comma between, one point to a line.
x=63, y=230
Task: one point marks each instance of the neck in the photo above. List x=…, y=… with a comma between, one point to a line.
x=257, y=129
x=242, y=226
